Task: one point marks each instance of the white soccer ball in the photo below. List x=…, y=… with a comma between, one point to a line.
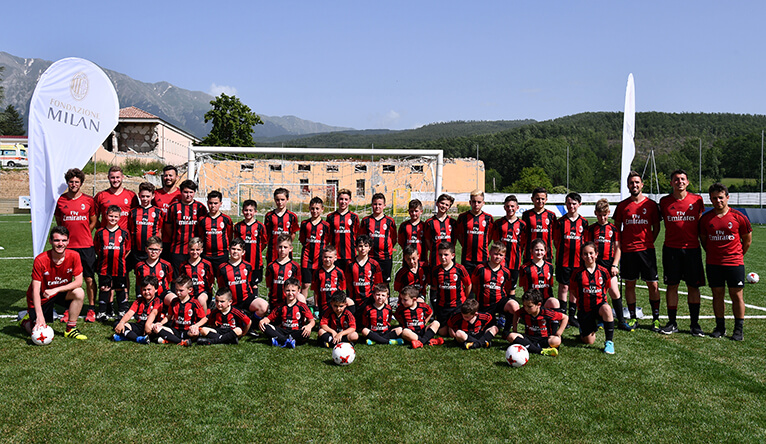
x=516, y=355
x=343, y=353
x=753, y=277
x=43, y=335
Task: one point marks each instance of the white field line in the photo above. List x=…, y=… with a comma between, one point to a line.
x=710, y=298
x=10, y=258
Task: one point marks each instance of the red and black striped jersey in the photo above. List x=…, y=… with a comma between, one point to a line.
x=539, y=226
x=490, y=285
x=215, y=233
x=383, y=234
x=514, y=236
x=405, y=276
x=144, y=223
x=202, y=276
x=412, y=234
x=183, y=315
x=474, y=233
x=75, y=214
x=450, y=285
x=345, y=321
x=537, y=326
x=162, y=270
x=237, y=278
x=143, y=308
x=541, y=278
x=126, y=200
x=414, y=318
x=377, y=319
x=313, y=237
x=276, y=275
x=436, y=231
x=230, y=320
x=591, y=288
x=343, y=231
x=569, y=236
x=606, y=238
x=276, y=224
x=360, y=280
x=255, y=237
x=325, y=283
x=291, y=317
x=182, y=219
x=474, y=327
x=112, y=246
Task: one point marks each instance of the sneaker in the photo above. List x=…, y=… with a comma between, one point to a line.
x=395, y=341
x=467, y=345
x=718, y=333
x=609, y=347
x=696, y=330
x=116, y=337
x=573, y=322
x=121, y=314
x=737, y=335
x=417, y=344
x=552, y=352
x=65, y=318
x=142, y=339
x=625, y=326
x=91, y=316
x=253, y=333
x=160, y=341
x=185, y=343
x=75, y=334
x=328, y=345
x=656, y=326
x=600, y=326
x=669, y=329
x=487, y=344
x=632, y=323
x=290, y=343
x=500, y=321
x=275, y=342
x=202, y=341
x=436, y=341
x=370, y=342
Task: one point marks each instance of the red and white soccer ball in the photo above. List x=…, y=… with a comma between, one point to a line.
x=516, y=355
x=42, y=335
x=343, y=353
x=753, y=277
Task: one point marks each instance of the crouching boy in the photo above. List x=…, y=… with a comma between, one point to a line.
x=290, y=323
x=543, y=326
x=470, y=328
x=337, y=323
x=225, y=324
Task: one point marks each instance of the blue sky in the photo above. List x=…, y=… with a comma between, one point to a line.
x=402, y=64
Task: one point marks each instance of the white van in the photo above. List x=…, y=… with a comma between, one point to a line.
x=13, y=155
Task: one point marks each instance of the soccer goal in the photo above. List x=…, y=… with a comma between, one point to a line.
x=254, y=173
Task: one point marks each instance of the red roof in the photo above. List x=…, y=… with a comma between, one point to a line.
x=135, y=113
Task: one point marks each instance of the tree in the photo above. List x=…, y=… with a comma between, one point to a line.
x=11, y=123
x=233, y=122
x=531, y=178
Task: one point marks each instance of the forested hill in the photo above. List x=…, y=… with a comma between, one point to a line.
x=536, y=152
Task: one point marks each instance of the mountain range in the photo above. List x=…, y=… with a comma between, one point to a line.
x=180, y=107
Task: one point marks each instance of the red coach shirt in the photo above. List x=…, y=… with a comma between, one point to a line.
x=50, y=275
x=722, y=237
x=126, y=200
x=635, y=221
x=681, y=220
x=75, y=214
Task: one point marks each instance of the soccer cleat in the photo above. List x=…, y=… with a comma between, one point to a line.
x=656, y=326
x=552, y=352
x=468, y=345
x=142, y=339
x=326, y=344
x=65, y=318
x=275, y=342
x=500, y=321
x=117, y=337
x=718, y=333
x=102, y=317
x=254, y=333
x=737, y=335
x=609, y=347
x=696, y=330
x=417, y=344
x=160, y=341
x=669, y=329
x=573, y=322
x=436, y=341
x=632, y=323
x=91, y=316
x=625, y=326
x=203, y=341
x=487, y=344
x=397, y=341
x=185, y=343
x=600, y=326
x=370, y=342
x=74, y=333
x=290, y=343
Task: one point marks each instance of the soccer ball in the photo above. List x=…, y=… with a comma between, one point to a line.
x=42, y=336
x=753, y=277
x=343, y=353
x=516, y=355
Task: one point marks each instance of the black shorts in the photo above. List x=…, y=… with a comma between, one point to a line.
x=564, y=274
x=177, y=260
x=217, y=261
x=59, y=299
x=514, y=278
x=539, y=341
x=635, y=264
x=115, y=282
x=589, y=320
x=307, y=275
x=682, y=264
x=245, y=305
x=496, y=308
x=470, y=266
x=386, y=265
x=134, y=257
x=137, y=327
x=88, y=259
x=390, y=334
x=442, y=314
x=732, y=276
x=343, y=263
x=257, y=277
x=165, y=251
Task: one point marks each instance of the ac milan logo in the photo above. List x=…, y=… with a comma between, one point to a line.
x=78, y=86
x=644, y=211
x=244, y=272
x=119, y=238
x=500, y=281
x=289, y=273
x=221, y=225
x=691, y=206
x=194, y=212
x=82, y=206
x=729, y=225
x=600, y=280
x=349, y=222
x=125, y=201
x=189, y=313
x=517, y=231
x=202, y=273
x=579, y=229
x=608, y=233
x=454, y=277
x=484, y=223
x=385, y=226
x=546, y=222
x=287, y=225
x=369, y=273
x=161, y=274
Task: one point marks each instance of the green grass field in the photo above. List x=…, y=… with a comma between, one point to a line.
x=654, y=389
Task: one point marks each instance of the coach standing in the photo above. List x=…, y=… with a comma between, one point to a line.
x=726, y=235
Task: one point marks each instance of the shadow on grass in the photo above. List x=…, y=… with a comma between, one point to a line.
x=12, y=300
x=17, y=332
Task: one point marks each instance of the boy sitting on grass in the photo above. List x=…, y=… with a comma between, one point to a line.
x=376, y=319
x=413, y=317
x=470, y=328
x=185, y=316
x=543, y=326
x=225, y=324
x=294, y=320
x=144, y=309
x=337, y=323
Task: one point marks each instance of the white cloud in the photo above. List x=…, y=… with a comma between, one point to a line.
x=386, y=120
x=216, y=90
